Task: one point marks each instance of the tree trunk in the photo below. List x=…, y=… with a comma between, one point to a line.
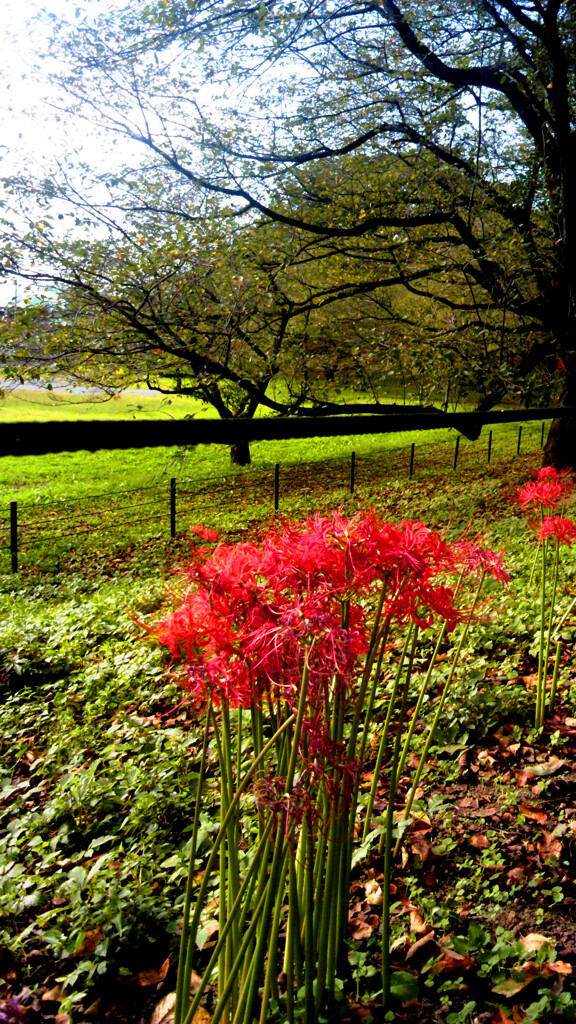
x=240, y=454
x=560, y=448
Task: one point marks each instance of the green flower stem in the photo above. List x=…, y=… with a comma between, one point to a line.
x=421, y=695
x=384, y=738
x=555, y=573
x=240, y=958
x=185, y=954
x=355, y=751
x=532, y=571
x=541, y=684
x=386, y=843
x=376, y=649
x=244, y=899
x=292, y=952
x=239, y=746
x=295, y=740
x=193, y=929
x=568, y=611
x=222, y=998
x=294, y=940
x=274, y=892
x=378, y=657
x=341, y=892
x=309, y=947
x=257, y=731
x=229, y=867
x=555, y=675
x=227, y=952
x=343, y=907
x=325, y=908
x=320, y=892
x=440, y=708
x=270, y=979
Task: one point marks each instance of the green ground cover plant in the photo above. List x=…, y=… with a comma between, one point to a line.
x=101, y=759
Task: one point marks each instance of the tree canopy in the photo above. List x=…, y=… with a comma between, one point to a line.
x=412, y=164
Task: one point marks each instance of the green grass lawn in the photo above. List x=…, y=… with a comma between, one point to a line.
x=74, y=504
x=98, y=774
x=77, y=474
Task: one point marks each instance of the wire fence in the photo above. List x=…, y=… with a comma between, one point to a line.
x=31, y=532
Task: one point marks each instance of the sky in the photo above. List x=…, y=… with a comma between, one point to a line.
x=30, y=140
x=26, y=133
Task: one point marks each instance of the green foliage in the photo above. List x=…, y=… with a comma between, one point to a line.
x=99, y=780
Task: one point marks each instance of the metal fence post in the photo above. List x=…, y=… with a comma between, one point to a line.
x=173, y=506
x=14, y=535
x=412, y=450
x=352, y=471
x=489, y=447
x=542, y=434
x=456, y=450
x=276, y=486
x=519, y=440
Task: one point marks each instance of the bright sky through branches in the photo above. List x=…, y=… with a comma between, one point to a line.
x=35, y=138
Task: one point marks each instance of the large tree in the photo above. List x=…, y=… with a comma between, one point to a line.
x=428, y=149
x=177, y=294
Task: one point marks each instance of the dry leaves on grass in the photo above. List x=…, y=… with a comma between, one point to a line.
x=164, y=1012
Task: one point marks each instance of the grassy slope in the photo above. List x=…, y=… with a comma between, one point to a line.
x=77, y=474
x=99, y=778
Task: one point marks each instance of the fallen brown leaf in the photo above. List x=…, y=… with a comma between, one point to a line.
x=417, y=922
x=534, y=941
x=373, y=893
x=548, y=846
x=421, y=847
x=470, y=801
x=549, y=767
x=201, y=1016
x=501, y=1018
x=558, y=967
x=511, y=986
x=53, y=995
x=453, y=961
x=90, y=941
x=363, y=926
x=164, y=1011
x=424, y=948
x=152, y=976
x=479, y=842
x=533, y=813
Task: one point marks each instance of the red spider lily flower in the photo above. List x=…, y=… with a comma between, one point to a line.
x=322, y=555
x=421, y=602
x=255, y=616
x=562, y=530
x=230, y=571
x=280, y=640
x=485, y=560
x=293, y=807
x=204, y=533
x=549, y=490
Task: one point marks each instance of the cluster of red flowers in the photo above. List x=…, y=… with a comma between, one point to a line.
x=254, y=616
x=548, y=490
x=544, y=495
